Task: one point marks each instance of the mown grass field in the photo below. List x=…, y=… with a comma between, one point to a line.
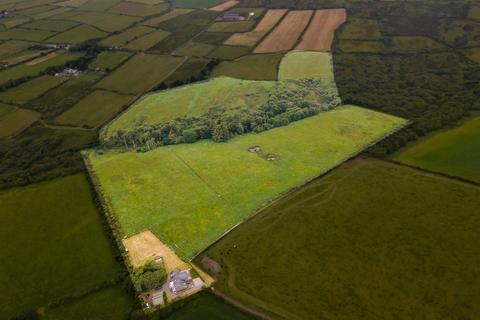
x=25, y=34
x=30, y=90
x=13, y=119
x=51, y=25
x=454, y=151
x=192, y=100
x=136, y=76
x=207, y=188
x=199, y=4
x=95, y=109
x=250, y=67
x=207, y=307
x=107, y=304
x=304, y=64
x=56, y=248
x=34, y=69
x=147, y=41
x=118, y=40
x=371, y=240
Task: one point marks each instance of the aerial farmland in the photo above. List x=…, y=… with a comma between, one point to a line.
x=239, y=159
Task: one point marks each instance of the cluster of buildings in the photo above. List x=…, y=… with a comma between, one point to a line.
x=234, y=16
x=68, y=73
x=4, y=14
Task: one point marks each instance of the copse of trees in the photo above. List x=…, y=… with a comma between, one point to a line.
x=287, y=102
x=150, y=276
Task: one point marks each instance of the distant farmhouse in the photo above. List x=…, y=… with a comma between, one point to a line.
x=68, y=73
x=4, y=14
x=234, y=16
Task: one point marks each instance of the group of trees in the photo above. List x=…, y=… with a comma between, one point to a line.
x=287, y=102
x=150, y=276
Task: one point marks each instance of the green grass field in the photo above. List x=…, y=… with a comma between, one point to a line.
x=228, y=26
x=25, y=34
x=473, y=54
x=416, y=43
x=302, y=64
x=26, y=70
x=250, y=67
x=119, y=40
x=192, y=67
x=207, y=307
x=371, y=240
x=57, y=246
x=107, y=304
x=199, y=4
x=108, y=60
x=136, y=76
x=12, y=47
x=51, y=25
x=77, y=35
x=31, y=89
x=454, y=151
x=195, y=49
x=13, y=120
x=95, y=109
x=229, y=52
x=192, y=100
x=147, y=41
x=207, y=188
x=138, y=9
x=105, y=21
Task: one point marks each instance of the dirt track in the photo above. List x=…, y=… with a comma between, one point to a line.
x=286, y=34
x=264, y=26
x=319, y=35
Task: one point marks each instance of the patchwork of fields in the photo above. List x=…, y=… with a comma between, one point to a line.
x=230, y=183
x=369, y=238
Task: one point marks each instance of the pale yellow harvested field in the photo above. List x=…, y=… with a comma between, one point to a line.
x=320, y=33
x=41, y=59
x=145, y=245
x=286, y=34
x=224, y=6
x=251, y=38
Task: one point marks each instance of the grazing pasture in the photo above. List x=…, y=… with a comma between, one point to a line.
x=111, y=303
x=359, y=46
x=51, y=25
x=108, y=60
x=249, y=39
x=105, y=21
x=136, y=76
x=65, y=96
x=194, y=49
x=228, y=52
x=206, y=306
x=250, y=67
x=50, y=13
x=30, y=90
x=147, y=41
x=214, y=38
x=71, y=3
x=119, y=40
x=57, y=245
x=454, y=151
x=98, y=5
x=138, y=9
x=25, y=34
x=286, y=34
x=416, y=43
x=95, y=109
x=361, y=29
x=34, y=68
x=474, y=12
x=338, y=249
x=193, y=67
x=319, y=34
x=23, y=56
x=304, y=64
x=191, y=100
x=224, y=6
x=13, y=120
x=229, y=182
x=13, y=22
x=154, y=22
x=78, y=35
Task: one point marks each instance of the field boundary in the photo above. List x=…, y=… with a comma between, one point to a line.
x=296, y=188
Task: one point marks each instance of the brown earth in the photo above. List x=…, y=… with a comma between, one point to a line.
x=224, y=6
x=249, y=39
x=286, y=34
x=320, y=33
